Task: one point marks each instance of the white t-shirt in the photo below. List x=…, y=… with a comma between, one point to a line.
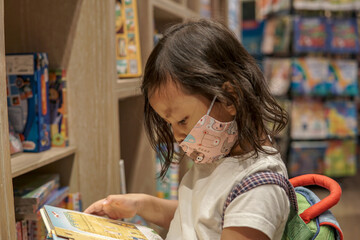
x=205, y=187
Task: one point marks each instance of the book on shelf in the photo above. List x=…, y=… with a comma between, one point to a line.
x=31, y=191
x=343, y=74
x=252, y=35
x=308, y=118
x=340, y=158
x=57, y=197
x=282, y=35
x=309, y=76
x=341, y=118
x=343, y=36
x=277, y=73
x=128, y=56
x=310, y=34
x=68, y=224
x=306, y=157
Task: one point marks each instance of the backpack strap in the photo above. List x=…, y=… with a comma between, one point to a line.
x=258, y=179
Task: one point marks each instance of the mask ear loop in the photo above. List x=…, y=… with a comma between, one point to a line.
x=211, y=105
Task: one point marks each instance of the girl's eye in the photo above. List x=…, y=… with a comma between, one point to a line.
x=182, y=122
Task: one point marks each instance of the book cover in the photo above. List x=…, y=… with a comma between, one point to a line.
x=128, y=56
x=308, y=119
x=252, y=35
x=340, y=158
x=282, y=35
x=75, y=225
x=343, y=36
x=277, y=72
x=343, y=76
x=306, y=157
x=310, y=34
x=268, y=42
x=277, y=35
x=310, y=76
x=341, y=119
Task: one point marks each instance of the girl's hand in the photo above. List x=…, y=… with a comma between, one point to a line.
x=115, y=206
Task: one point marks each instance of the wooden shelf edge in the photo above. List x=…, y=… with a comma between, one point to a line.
x=127, y=88
x=25, y=162
x=176, y=9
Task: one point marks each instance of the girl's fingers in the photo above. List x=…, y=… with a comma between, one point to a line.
x=95, y=207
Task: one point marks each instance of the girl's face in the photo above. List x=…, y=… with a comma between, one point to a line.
x=183, y=110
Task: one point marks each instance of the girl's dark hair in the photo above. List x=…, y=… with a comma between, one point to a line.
x=200, y=56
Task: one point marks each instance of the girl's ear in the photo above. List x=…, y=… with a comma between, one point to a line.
x=228, y=106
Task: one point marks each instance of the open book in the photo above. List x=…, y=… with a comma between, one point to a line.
x=67, y=224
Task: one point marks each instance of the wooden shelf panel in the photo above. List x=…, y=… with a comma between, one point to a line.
x=175, y=9
x=25, y=162
x=128, y=87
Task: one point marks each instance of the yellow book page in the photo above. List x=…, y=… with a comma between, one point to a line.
x=110, y=229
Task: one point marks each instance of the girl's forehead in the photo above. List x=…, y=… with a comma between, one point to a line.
x=167, y=93
x=170, y=97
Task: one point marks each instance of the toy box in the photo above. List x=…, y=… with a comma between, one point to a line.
x=27, y=77
x=58, y=108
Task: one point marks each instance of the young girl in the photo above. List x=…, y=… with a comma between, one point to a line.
x=204, y=91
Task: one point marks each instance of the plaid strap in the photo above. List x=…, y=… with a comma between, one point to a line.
x=258, y=179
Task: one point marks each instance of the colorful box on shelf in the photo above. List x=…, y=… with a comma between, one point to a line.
x=128, y=56
x=27, y=88
x=58, y=108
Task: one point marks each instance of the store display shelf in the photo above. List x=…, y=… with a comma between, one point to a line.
x=25, y=162
x=128, y=87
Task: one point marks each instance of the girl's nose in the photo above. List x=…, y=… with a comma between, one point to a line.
x=179, y=137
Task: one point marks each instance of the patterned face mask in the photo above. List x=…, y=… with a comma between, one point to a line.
x=210, y=139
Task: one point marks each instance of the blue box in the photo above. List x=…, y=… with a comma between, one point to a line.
x=28, y=103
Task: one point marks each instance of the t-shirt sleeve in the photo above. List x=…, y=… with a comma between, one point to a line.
x=265, y=208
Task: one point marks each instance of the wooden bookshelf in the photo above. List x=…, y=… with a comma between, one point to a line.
x=25, y=162
x=81, y=39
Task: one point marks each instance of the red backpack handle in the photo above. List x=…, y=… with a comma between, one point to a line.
x=324, y=204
